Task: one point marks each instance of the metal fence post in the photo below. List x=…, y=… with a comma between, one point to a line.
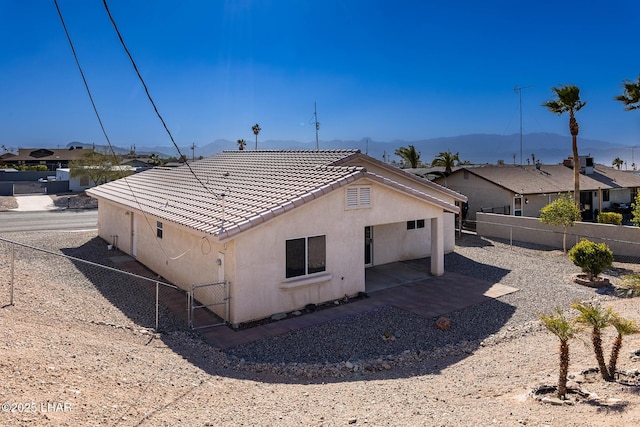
x=157, y=303
x=511, y=236
x=12, y=269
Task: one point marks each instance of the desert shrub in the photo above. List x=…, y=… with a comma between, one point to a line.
x=635, y=210
x=593, y=258
x=562, y=211
x=38, y=168
x=610, y=218
x=630, y=286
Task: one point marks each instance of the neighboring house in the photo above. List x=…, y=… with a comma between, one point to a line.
x=524, y=190
x=75, y=183
x=51, y=158
x=139, y=162
x=84, y=182
x=283, y=228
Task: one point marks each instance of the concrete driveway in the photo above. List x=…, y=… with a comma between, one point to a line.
x=34, y=203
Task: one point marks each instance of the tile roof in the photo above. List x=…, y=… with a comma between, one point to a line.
x=236, y=190
x=553, y=178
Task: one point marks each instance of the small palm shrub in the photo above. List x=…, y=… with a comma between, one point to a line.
x=564, y=329
x=598, y=318
x=623, y=327
x=630, y=286
x=593, y=258
x=610, y=218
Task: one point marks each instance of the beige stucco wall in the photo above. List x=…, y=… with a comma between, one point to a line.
x=623, y=240
x=183, y=256
x=393, y=242
x=254, y=261
x=481, y=193
x=114, y=221
x=261, y=289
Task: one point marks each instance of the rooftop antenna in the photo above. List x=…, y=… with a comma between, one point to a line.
x=193, y=151
x=314, y=120
x=519, y=90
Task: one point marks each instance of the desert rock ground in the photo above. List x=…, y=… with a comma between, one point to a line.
x=71, y=357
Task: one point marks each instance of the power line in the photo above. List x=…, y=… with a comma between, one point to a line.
x=95, y=110
x=155, y=108
x=84, y=80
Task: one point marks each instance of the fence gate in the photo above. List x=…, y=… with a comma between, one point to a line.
x=29, y=188
x=216, y=309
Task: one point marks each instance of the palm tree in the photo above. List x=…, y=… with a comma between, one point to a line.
x=598, y=318
x=155, y=160
x=241, y=144
x=631, y=96
x=409, y=155
x=447, y=160
x=256, y=130
x=568, y=101
x=562, y=328
x=617, y=162
x=624, y=327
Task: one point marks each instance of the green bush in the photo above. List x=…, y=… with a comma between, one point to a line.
x=592, y=258
x=610, y=218
x=635, y=210
x=38, y=168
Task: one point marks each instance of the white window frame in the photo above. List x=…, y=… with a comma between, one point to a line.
x=516, y=211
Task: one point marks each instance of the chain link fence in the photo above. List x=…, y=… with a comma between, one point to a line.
x=52, y=274
x=625, y=249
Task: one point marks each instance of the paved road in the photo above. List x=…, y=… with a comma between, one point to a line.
x=48, y=220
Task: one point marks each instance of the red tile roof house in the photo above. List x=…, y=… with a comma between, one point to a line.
x=283, y=228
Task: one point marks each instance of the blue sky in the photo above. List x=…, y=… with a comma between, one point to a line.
x=387, y=70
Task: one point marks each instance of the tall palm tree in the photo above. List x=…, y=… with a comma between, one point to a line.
x=598, y=318
x=409, y=155
x=624, y=327
x=617, y=162
x=447, y=160
x=256, y=130
x=241, y=144
x=631, y=96
x=562, y=328
x=568, y=101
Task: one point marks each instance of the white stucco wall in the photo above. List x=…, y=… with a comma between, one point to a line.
x=254, y=261
x=183, y=256
x=481, y=193
x=261, y=289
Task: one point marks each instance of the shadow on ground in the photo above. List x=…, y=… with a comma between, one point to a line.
x=402, y=342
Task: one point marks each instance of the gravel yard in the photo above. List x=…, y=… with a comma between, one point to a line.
x=77, y=345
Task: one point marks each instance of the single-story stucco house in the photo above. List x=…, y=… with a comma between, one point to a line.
x=524, y=190
x=283, y=228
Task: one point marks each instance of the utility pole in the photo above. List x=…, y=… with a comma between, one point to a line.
x=193, y=152
x=519, y=90
x=315, y=121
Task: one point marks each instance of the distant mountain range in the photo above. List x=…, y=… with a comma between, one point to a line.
x=549, y=148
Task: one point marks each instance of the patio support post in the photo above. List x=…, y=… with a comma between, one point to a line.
x=437, y=246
